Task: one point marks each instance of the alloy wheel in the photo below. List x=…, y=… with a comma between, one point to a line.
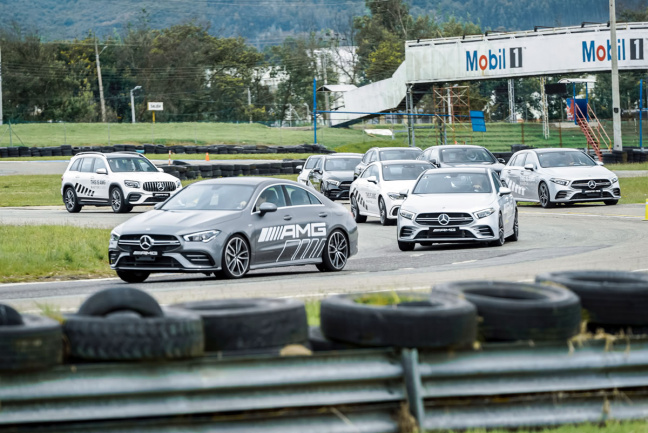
x=237, y=257
x=338, y=250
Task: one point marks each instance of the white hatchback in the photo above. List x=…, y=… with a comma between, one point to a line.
x=120, y=180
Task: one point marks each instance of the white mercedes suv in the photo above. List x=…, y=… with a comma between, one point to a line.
x=120, y=180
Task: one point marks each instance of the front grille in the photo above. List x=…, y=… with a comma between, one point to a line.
x=199, y=259
x=160, y=243
x=582, y=184
x=432, y=219
x=159, y=186
x=406, y=232
x=461, y=234
x=345, y=185
x=591, y=196
x=163, y=262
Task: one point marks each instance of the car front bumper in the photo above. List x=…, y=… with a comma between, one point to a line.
x=567, y=194
x=479, y=230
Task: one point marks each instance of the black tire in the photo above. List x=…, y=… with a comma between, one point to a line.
x=544, y=196
x=501, y=239
x=336, y=252
x=516, y=229
x=608, y=297
x=355, y=211
x=236, y=258
x=243, y=324
x=9, y=316
x=406, y=246
x=178, y=334
x=133, y=276
x=34, y=344
x=383, y=213
x=71, y=200
x=445, y=320
x=521, y=311
x=116, y=299
x=610, y=202
x=118, y=201
x=319, y=343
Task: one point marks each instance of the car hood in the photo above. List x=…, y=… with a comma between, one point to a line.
x=575, y=173
x=497, y=166
x=448, y=202
x=175, y=221
x=342, y=176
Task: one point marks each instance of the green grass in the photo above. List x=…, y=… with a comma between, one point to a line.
x=608, y=427
x=633, y=190
x=29, y=253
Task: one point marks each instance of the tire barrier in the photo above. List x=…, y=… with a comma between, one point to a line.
x=443, y=319
x=612, y=300
x=187, y=169
x=28, y=342
x=250, y=324
x=521, y=311
x=125, y=324
x=213, y=149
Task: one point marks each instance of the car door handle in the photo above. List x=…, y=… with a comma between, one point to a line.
x=323, y=214
x=287, y=217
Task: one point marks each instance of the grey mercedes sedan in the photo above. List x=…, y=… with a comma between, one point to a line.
x=232, y=225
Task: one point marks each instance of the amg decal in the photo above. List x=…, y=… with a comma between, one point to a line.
x=301, y=249
x=292, y=231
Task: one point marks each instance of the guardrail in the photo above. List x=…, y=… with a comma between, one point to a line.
x=496, y=386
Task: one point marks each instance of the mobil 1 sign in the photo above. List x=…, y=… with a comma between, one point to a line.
x=559, y=51
x=156, y=106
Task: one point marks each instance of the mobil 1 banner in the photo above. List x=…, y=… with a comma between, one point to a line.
x=560, y=51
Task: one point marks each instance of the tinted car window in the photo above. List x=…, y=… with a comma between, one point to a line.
x=311, y=162
x=211, y=197
x=467, y=156
x=273, y=194
x=341, y=164
x=129, y=164
x=99, y=163
x=455, y=183
x=390, y=155
x=403, y=171
x=496, y=182
x=519, y=160
x=565, y=159
x=76, y=164
x=298, y=196
x=86, y=165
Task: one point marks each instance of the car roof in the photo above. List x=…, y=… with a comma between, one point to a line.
x=554, y=149
x=247, y=180
x=111, y=155
x=343, y=155
x=459, y=170
x=459, y=146
x=403, y=161
x=380, y=149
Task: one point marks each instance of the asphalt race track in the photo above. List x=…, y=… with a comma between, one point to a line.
x=576, y=238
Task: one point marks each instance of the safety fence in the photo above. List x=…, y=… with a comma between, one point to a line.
x=497, y=385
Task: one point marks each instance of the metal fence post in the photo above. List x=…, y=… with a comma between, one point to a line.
x=412, y=376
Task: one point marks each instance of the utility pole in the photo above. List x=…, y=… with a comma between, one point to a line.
x=133, y=103
x=101, y=93
x=616, y=110
x=250, y=104
x=0, y=86
x=511, y=95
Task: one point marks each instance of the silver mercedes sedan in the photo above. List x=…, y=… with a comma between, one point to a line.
x=233, y=225
x=457, y=205
x=551, y=176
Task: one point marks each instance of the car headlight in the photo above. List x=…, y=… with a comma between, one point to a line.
x=114, y=237
x=563, y=182
x=205, y=236
x=178, y=184
x=395, y=196
x=131, y=183
x=484, y=213
x=406, y=214
x=333, y=182
x=614, y=180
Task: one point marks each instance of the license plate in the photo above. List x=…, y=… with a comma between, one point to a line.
x=446, y=230
x=161, y=195
x=592, y=191
x=145, y=253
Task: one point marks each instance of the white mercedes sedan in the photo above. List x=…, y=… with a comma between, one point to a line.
x=377, y=192
x=457, y=205
x=550, y=176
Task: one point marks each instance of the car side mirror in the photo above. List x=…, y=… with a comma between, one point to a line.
x=600, y=163
x=372, y=179
x=434, y=161
x=501, y=160
x=404, y=193
x=317, y=170
x=299, y=167
x=504, y=191
x=160, y=170
x=267, y=207
x=529, y=167
x=101, y=171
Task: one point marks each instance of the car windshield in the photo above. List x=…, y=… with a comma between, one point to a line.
x=565, y=159
x=403, y=171
x=453, y=183
x=467, y=156
x=341, y=164
x=126, y=164
x=211, y=197
x=393, y=154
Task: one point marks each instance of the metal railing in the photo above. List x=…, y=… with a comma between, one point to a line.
x=501, y=385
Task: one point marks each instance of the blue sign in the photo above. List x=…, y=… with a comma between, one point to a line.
x=478, y=121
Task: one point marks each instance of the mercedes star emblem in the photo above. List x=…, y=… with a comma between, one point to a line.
x=443, y=219
x=591, y=184
x=160, y=186
x=146, y=242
